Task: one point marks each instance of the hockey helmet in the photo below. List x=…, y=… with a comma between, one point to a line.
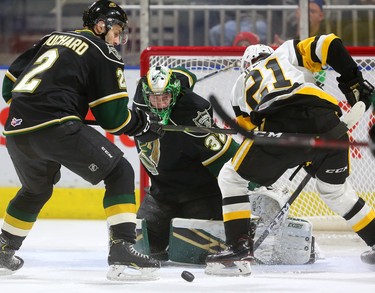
x=160, y=91
x=254, y=53
x=110, y=13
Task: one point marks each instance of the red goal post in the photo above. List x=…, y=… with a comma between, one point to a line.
x=206, y=60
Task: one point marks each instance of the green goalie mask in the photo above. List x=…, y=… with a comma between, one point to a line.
x=161, y=91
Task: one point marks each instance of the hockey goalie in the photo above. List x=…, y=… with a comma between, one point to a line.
x=291, y=243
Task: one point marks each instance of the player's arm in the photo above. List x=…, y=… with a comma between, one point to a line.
x=239, y=105
x=214, y=149
x=110, y=106
x=16, y=68
x=186, y=77
x=217, y=150
x=316, y=52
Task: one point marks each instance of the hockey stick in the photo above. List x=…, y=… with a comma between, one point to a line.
x=278, y=138
x=347, y=122
x=196, y=129
x=272, y=138
x=325, y=140
x=234, y=64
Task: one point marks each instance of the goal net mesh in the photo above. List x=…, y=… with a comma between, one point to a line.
x=203, y=61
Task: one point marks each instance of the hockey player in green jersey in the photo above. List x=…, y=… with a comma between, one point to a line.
x=50, y=89
x=182, y=166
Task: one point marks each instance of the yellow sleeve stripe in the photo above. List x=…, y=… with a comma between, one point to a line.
x=241, y=153
x=191, y=81
x=245, y=123
x=113, y=130
x=327, y=41
x=108, y=99
x=10, y=76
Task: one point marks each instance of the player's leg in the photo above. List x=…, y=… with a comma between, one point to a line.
x=98, y=159
x=37, y=176
x=235, y=260
x=158, y=215
x=340, y=197
x=93, y=157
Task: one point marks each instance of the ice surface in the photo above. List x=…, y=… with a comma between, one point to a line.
x=70, y=256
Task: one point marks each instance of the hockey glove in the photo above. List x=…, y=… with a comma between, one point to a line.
x=151, y=128
x=357, y=89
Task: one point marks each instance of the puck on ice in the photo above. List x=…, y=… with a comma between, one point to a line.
x=187, y=276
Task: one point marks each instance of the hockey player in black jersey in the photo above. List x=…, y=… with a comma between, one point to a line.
x=280, y=95
x=182, y=166
x=50, y=89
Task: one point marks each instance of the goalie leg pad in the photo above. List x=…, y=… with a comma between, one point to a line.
x=191, y=240
x=291, y=244
x=267, y=201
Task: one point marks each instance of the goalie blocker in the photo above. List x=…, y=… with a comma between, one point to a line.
x=191, y=240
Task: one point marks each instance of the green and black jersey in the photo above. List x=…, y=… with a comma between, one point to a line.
x=183, y=166
x=61, y=78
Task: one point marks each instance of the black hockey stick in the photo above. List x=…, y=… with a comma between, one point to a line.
x=196, y=129
x=325, y=140
x=272, y=138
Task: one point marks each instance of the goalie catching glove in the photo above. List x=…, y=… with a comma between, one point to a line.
x=149, y=126
x=357, y=89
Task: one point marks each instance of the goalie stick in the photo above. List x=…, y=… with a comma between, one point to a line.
x=347, y=122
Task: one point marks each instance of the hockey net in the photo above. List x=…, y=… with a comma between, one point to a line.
x=203, y=61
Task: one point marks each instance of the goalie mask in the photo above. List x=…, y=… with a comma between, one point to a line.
x=160, y=92
x=253, y=54
x=110, y=13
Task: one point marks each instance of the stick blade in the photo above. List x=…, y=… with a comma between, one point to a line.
x=355, y=114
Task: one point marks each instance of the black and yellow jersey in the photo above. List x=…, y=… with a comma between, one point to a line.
x=183, y=166
x=63, y=76
x=286, y=78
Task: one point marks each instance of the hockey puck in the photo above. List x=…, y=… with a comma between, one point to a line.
x=187, y=276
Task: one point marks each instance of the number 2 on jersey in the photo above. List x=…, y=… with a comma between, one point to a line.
x=29, y=82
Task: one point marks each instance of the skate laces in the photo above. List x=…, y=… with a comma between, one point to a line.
x=136, y=253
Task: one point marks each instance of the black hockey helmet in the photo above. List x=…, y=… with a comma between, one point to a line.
x=107, y=11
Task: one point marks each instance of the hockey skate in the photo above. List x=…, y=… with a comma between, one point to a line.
x=369, y=256
x=9, y=263
x=233, y=261
x=127, y=264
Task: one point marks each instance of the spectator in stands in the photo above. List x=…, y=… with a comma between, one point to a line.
x=245, y=39
x=316, y=17
x=246, y=25
x=362, y=24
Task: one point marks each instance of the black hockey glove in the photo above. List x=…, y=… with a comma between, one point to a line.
x=151, y=128
x=357, y=89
